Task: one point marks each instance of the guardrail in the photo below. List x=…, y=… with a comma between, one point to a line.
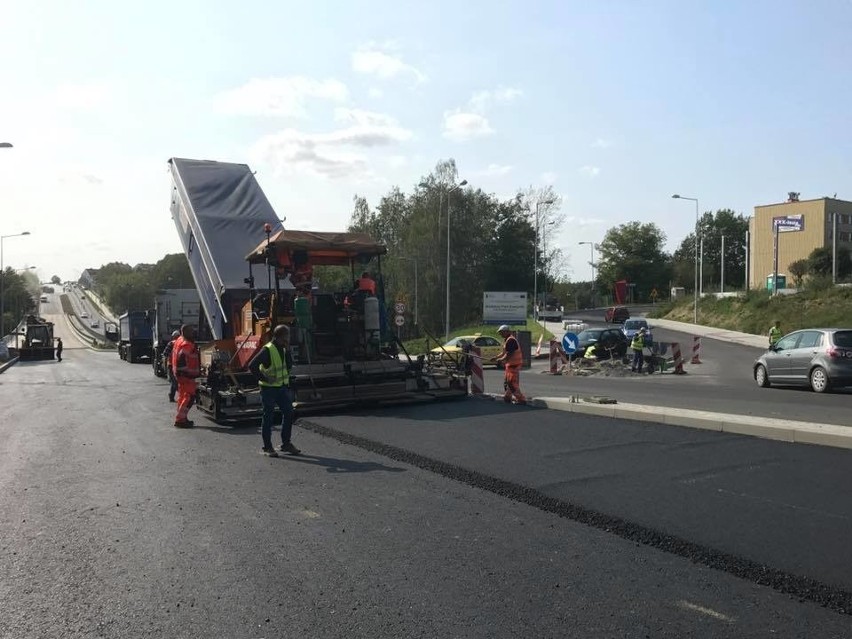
x=98, y=303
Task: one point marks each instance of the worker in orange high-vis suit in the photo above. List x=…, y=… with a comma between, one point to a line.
x=186, y=366
x=512, y=361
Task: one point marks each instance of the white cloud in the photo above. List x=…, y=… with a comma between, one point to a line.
x=493, y=170
x=376, y=93
x=281, y=97
x=584, y=221
x=600, y=143
x=460, y=126
x=397, y=161
x=331, y=154
x=371, y=59
x=589, y=171
x=87, y=96
x=548, y=177
x=481, y=100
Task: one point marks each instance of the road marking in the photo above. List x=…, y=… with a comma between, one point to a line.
x=715, y=614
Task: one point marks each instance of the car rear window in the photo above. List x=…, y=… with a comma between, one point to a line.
x=589, y=335
x=842, y=339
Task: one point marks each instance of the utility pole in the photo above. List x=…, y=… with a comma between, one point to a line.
x=747, y=259
x=834, y=248
x=701, y=270
x=775, y=260
x=723, y=265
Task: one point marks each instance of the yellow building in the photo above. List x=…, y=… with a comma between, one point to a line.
x=804, y=226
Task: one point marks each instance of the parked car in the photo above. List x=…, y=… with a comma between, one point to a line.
x=609, y=339
x=817, y=357
x=633, y=326
x=616, y=315
x=84, y=315
x=94, y=324
x=489, y=347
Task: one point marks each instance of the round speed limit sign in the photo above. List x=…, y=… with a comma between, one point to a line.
x=399, y=320
x=399, y=307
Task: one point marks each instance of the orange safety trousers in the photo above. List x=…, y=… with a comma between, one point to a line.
x=185, y=398
x=512, y=384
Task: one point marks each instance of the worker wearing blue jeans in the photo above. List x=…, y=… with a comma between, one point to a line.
x=272, y=366
x=636, y=345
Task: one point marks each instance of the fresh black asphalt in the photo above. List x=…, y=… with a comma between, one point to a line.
x=115, y=524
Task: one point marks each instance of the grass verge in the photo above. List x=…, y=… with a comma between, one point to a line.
x=424, y=344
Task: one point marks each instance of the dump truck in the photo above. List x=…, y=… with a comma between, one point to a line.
x=134, y=336
x=172, y=309
x=252, y=274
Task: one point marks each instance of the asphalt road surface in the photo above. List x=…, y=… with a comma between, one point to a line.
x=722, y=383
x=465, y=519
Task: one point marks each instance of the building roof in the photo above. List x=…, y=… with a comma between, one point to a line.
x=816, y=199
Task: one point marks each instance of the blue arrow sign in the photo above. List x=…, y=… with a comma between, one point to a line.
x=570, y=343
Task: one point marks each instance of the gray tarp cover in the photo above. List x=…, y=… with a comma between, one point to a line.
x=344, y=244
x=231, y=209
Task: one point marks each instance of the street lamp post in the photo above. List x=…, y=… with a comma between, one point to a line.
x=535, y=259
x=544, y=270
x=695, y=301
x=447, y=325
x=3, y=282
x=592, y=264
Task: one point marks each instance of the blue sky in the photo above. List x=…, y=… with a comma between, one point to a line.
x=618, y=104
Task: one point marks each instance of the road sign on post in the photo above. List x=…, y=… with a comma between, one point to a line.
x=399, y=320
x=570, y=343
x=399, y=307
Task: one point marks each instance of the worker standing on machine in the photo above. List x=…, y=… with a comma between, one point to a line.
x=187, y=367
x=367, y=283
x=272, y=366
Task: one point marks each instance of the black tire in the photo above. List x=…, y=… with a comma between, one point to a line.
x=761, y=376
x=820, y=383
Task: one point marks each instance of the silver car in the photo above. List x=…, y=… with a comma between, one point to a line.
x=817, y=357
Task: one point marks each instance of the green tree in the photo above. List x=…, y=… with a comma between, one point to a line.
x=18, y=297
x=171, y=272
x=820, y=261
x=634, y=252
x=711, y=227
x=55, y=280
x=798, y=270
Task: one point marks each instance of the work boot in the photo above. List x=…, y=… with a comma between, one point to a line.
x=184, y=424
x=290, y=448
x=269, y=452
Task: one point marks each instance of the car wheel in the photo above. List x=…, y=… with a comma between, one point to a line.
x=761, y=376
x=819, y=380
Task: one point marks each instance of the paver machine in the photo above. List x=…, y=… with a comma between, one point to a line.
x=343, y=352
x=38, y=339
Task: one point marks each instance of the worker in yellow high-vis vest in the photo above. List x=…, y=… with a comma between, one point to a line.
x=271, y=366
x=775, y=333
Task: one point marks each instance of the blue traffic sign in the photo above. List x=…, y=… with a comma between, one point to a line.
x=570, y=343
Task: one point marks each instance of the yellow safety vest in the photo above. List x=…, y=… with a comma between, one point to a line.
x=638, y=342
x=277, y=369
x=590, y=352
x=774, y=335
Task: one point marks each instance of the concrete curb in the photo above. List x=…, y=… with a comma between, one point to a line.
x=7, y=365
x=721, y=334
x=764, y=427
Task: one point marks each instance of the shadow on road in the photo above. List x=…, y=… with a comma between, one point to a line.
x=334, y=465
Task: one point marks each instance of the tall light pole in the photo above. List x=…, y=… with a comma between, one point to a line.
x=3, y=283
x=447, y=325
x=592, y=264
x=544, y=270
x=695, y=302
x=535, y=258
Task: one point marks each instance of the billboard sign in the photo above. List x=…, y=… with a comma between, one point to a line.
x=788, y=223
x=499, y=307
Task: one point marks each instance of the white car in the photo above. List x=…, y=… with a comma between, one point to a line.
x=84, y=315
x=574, y=325
x=94, y=324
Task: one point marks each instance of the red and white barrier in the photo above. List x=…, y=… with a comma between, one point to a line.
x=538, y=346
x=554, y=357
x=696, y=350
x=678, y=359
x=477, y=380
